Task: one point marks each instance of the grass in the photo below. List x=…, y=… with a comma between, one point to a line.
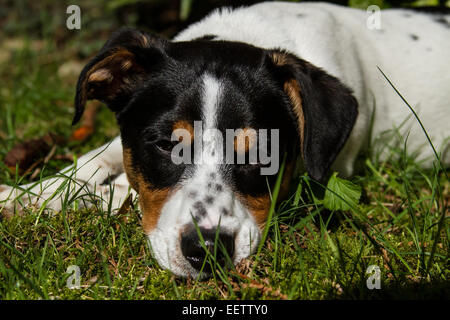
x=400, y=223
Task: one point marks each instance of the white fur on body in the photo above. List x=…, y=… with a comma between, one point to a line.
x=83, y=181
x=337, y=40
x=333, y=38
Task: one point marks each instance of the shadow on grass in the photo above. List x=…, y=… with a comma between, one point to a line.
x=433, y=290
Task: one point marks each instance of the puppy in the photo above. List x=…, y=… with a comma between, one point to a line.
x=307, y=73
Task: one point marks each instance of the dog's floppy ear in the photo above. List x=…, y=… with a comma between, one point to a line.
x=119, y=68
x=324, y=107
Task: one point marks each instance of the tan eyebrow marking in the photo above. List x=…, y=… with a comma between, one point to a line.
x=185, y=125
x=245, y=140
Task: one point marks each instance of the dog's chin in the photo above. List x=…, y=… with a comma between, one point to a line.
x=167, y=252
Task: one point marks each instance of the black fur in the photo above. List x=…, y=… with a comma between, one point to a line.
x=329, y=109
x=128, y=39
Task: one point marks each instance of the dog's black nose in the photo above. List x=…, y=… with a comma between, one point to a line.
x=194, y=251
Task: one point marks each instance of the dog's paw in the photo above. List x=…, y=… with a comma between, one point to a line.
x=3, y=188
x=6, y=201
x=55, y=194
x=14, y=200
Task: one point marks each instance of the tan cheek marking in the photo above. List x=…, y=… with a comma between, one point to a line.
x=292, y=89
x=128, y=166
x=151, y=200
x=245, y=140
x=183, y=124
x=259, y=206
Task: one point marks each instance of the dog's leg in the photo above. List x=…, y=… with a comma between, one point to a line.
x=97, y=178
x=114, y=193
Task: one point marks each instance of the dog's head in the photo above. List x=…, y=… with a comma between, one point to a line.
x=213, y=102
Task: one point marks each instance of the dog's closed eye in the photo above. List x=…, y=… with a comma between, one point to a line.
x=165, y=146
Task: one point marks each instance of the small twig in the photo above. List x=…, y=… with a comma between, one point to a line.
x=45, y=161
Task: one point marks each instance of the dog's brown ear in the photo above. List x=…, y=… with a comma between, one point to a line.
x=325, y=110
x=119, y=69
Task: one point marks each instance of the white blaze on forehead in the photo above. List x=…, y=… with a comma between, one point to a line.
x=212, y=148
x=211, y=97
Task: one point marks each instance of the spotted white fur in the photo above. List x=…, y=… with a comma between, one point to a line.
x=204, y=191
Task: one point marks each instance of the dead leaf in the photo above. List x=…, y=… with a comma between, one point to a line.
x=28, y=154
x=87, y=127
x=124, y=209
